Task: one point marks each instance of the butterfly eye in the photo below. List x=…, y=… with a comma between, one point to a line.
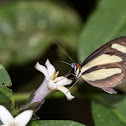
x=73, y=65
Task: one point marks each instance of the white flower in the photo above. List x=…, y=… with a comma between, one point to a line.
x=20, y=120
x=54, y=82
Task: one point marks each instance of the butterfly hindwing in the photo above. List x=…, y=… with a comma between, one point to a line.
x=109, y=90
x=109, y=75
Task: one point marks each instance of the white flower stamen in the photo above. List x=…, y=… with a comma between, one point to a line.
x=13, y=124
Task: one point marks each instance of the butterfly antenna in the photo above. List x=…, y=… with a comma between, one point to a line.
x=63, y=50
x=66, y=63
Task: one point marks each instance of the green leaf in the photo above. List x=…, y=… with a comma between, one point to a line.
x=109, y=110
x=4, y=76
x=5, y=82
x=107, y=22
x=55, y=123
x=4, y=97
x=27, y=27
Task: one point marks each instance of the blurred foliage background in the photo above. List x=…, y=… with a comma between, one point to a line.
x=80, y=27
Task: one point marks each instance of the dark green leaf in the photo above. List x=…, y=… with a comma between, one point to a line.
x=4, y=97
x=4, y=76
x=55, y=123
x=5, y=83
x=107, y=22
x=109, y=110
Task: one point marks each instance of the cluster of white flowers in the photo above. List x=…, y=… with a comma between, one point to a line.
x=51, y=83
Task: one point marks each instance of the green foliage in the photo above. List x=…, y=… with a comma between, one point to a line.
x=26, y=29
x=109, y=110
x=55, y=123
x=107, y=22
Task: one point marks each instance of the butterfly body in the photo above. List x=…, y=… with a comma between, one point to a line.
x=106, y=67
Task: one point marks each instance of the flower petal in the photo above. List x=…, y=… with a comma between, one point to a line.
x=23, y=118
x=51, y=69
x=61, y=81
x=41, y=93
x=42, y=69
x=66, y=92
x=51, y=85
x=5, y=115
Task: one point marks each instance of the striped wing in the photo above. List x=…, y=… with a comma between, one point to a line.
x=106, y=67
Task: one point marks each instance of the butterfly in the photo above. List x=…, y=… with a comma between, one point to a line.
x=105, y=68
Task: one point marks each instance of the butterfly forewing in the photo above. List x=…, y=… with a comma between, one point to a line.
x=106, y=67
x=107, y=48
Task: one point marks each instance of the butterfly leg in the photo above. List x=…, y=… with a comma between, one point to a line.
x=109, y=90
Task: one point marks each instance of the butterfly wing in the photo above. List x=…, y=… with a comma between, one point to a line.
x=106, y=67
x=106, y=48
x=105, y=76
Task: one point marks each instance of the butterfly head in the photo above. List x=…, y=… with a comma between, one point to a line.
x=76, y=67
